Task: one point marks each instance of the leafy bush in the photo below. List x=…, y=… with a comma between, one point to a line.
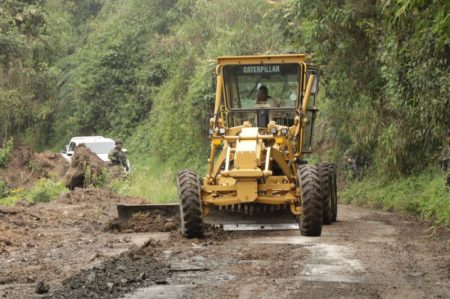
x=96, y=179
x=45, y=190
x=6, y=151
x=4, y=191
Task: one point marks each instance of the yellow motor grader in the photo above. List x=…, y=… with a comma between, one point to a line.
x=257, y=178
x=262, y=126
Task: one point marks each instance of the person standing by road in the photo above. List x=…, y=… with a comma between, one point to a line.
x=445, y=160
x=350, y=163
x=117, y=156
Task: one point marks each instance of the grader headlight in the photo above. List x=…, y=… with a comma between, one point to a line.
x=279, y=139
x=217, y=141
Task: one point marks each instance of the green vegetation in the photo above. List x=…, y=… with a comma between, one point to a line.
x=386, y=94
x=5, y=152
x=4, y=190
x=423, y=194
x=44, y=191
x=151, y=180
x=141, y=70
x=385, y=71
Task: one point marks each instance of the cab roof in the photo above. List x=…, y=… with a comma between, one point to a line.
x=262, y=59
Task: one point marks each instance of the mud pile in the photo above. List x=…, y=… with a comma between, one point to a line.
x=86, y=169
x=140, y=267
x=154, y=221
x=25, y=167
x=100, y=200
x=94, y=196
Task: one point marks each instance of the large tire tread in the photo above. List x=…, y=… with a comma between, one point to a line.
x=311, y=218
x=326, y=191
x=190, y=206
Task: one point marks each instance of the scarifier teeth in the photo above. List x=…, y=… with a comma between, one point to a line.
x=252, y=208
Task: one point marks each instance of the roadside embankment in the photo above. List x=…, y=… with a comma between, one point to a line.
x=424, y=195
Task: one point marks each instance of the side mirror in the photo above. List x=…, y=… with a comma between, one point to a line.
x=70, y=154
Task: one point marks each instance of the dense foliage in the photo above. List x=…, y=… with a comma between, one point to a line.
x=386, y=75
x=141, y=70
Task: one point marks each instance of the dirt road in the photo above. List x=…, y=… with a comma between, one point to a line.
x=366, y=254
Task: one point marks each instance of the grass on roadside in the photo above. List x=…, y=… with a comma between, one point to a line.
x=150, y=181
x=45, y=190
x=424, y=195
x=153, y=180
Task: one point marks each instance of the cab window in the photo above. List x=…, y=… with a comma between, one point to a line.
x=262, y=86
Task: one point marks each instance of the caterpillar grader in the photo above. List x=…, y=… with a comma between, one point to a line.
x=260, y=131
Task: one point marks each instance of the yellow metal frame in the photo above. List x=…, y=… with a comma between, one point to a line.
x=224, y=187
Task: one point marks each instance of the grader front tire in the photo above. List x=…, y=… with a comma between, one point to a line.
x=311, y=218
x=190, y=206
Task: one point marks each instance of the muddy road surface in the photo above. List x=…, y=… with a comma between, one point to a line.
x=366, y=254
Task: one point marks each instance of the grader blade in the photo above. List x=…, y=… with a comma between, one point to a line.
x=221, y=218
x=247, y=221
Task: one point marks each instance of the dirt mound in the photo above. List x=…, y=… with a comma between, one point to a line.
x=154, y=221
x=83, y=155
x=89, y=195
x=138, y=268
x=86, y=169
x=25, y=167
x=103, y=200
x=52, y=241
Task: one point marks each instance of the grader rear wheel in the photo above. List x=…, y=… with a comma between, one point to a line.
x=311, y=218
x=326, y=191
x=334, y=198
x=190, y=206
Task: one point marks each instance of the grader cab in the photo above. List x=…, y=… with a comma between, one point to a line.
x=262, y=126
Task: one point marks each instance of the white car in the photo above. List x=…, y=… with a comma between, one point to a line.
x=99, y=145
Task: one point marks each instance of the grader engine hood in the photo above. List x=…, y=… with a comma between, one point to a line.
x=246, y=160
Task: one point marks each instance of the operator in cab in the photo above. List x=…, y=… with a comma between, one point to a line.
x=263, y=100
x=117, y=156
